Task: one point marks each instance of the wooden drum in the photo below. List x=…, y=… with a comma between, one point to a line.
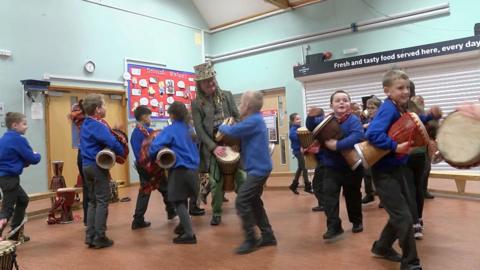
x=228, y=166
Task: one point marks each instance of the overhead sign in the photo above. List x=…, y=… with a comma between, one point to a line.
x=393, y=56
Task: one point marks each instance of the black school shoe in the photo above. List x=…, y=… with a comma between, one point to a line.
x=293, y=188
x=185, y=239
x=102, y=242
x=330, y=234
x=357, y=228
x=246, y=247
x=196, y=211
x=388, y=254
x=216, y=220
x=179, y=229
x=140, y=224
x=267, y=240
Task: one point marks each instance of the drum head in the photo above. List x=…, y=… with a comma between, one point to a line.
x=458, y=140
x=421, y=129
x=6, y=247
x=322, y=124
x=231, y=156
x=303, y=130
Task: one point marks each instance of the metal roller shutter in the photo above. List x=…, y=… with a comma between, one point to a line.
x=446, y=84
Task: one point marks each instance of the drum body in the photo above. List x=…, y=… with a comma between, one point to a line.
x=310, y=161
x=7, y=255
x=228, y=166
x=58, y=181
x=64, y=200
x=407, y=128
x=327, y=129
x=458, y=141
x=305, y=137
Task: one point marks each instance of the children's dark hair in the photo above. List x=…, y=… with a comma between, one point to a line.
x=338, y=92
x=141, y=111
x=179, y=112
x=12, y=118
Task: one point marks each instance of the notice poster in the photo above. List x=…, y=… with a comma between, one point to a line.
x=270, y=118
x=157, y=88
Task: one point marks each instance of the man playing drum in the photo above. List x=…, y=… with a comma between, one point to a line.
x=211, y=107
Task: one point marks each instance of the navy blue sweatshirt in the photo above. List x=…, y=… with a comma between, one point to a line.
x=94, y=137
x=177, y=137
x=294, y=141
x=352, y=131
x=136, y=140
x=15, y=154
x=253, y=134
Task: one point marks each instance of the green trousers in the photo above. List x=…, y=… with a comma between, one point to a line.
x=216, y=183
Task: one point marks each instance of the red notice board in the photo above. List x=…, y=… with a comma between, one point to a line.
x=157, y=88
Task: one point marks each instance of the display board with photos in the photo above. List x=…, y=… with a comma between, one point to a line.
x=270, y=117
x=157, y=88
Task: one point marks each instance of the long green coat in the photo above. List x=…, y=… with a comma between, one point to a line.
x=203, y=111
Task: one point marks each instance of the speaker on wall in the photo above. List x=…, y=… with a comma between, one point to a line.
x=476, y=29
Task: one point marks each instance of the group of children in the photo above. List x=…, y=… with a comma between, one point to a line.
x=399, y=182
x=390, y=174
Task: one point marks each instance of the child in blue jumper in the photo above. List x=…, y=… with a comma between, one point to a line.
x=183, y=176
x=253, y=135
x=295, y=122
x=15, y=154
x=94, y=137
x=390, y=174
x=139, y=134
x=337, y=172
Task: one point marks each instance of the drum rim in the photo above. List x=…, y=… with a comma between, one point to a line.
x=230, y=150
x=8, y=249
x=324, y=122
x=360, y=154
x=421, y=127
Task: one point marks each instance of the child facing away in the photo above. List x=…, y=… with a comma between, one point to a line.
x=183, y=176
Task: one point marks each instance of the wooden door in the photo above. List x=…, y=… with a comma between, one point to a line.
x=62, y=135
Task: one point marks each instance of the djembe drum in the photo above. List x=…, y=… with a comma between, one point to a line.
x=106, y=158
x=306, y=140
x=58, y=181
x=330, y=129
x=408, y=128
x=7, y=255
x=166, y=158
x=459, y=141
x=64, y=200
x=228, y=167
x=156, y=173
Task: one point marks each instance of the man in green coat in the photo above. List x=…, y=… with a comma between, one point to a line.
x=210, y=108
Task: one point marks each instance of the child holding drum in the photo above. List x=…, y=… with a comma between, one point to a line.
x=255, y=154
x=183, y=176
x=295, y=123
x=389, y=174
x=337, y=172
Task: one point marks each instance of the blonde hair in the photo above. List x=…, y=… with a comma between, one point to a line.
x=393, y=75
x=12, y=118
x=375, y=101
x=92, y=102
x=255, y=100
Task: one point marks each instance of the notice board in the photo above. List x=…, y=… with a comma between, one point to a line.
x=157, y=88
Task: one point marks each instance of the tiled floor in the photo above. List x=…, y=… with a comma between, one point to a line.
x=452, y=231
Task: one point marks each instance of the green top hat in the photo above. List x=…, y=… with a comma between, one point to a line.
x=204, y=71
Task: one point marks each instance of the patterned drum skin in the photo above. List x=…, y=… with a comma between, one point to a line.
x=7, y=255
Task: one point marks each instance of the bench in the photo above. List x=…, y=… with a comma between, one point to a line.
x=460, y=177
